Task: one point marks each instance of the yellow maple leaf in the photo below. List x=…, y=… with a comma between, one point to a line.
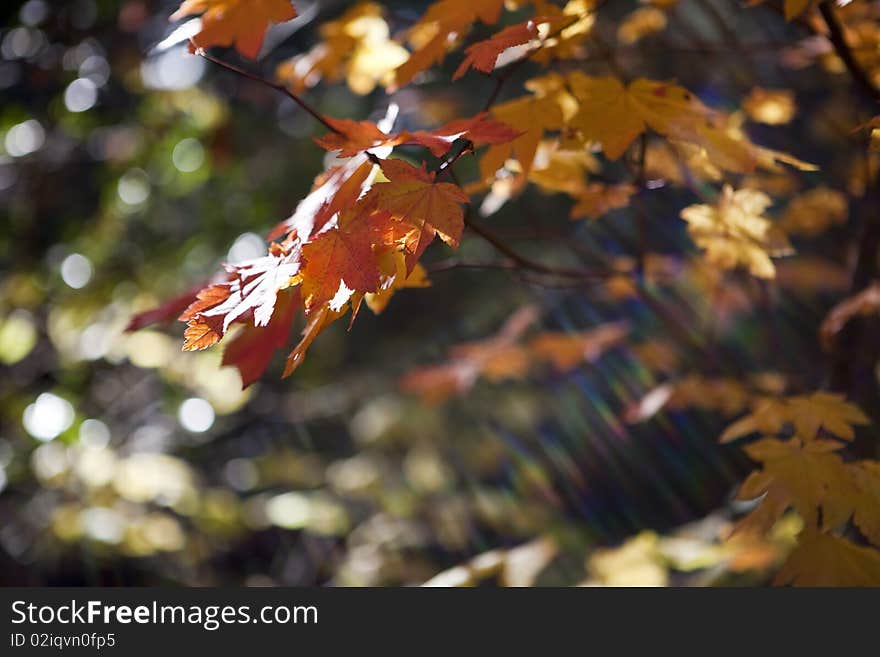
x=866, y=502
x=533, y=116
x=827, y=411
x=806, y=413
x=578, y=18
x=642, y=22
x=769, y=416
x=734, y=233
x=393, y=266
x=560, y=170
x=614, y=115
x=357, y=46
x=822, y=559
x=815, y=211
x=807, y=472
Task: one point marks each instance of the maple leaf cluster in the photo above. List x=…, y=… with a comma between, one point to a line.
x=802, y=468
x=356, y=238
x=359, y=235
x=353, y=240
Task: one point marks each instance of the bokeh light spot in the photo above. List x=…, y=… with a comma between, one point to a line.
x=76, y=270
x=48, y=417
x=196, y=415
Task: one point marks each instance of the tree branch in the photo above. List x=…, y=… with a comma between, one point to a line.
x=843, y=50
x=201, y=52
x=533, y=265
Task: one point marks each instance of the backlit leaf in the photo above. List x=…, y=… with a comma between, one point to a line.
x=241, y=23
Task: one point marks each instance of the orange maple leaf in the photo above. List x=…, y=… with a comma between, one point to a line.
x=412, y=195
x=568, y=350
x=482, y=55
x=252, y=289
x=239, y=22
x=352, y=137
x=497, y=358
x=252, y=349
x=334, y=190
x=340, y=255
x=319, y=321
x=439, y=30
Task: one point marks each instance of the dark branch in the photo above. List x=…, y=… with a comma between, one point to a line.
x=201, y=52
x=533, y=265
x=843, y=50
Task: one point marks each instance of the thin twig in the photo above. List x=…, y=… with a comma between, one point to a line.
x=641, y=219
x=533, y=265
x=201, y=52
x=451, y=264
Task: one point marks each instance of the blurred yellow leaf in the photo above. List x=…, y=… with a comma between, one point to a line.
x=733, y=232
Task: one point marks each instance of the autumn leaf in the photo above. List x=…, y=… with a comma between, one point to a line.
x=252, y=349
x=437, y=383
x=253, y=288
x=480, y=130
x=413, y=196
x=202, y=333
x=773, y=504
x=167, y=311
x=813, y=212
x=242, y=23
x=482, y=55
x=497, y=358
x=319, y=320
x=807, y=414
x=568, y=350
x=822, y=559
x=557, y=169
x=343, y=254
x=866, y=501
x=769, y=416
x=614, y=115
x=395, y=278
x=733, y=232
x=807, y=471
x=352, y=137
x=597, y=199
x=564, y=30
x=337, y=189
x=642, y=22
x=356, y=47
x=532, y=116
x=827, y=411
x=439, y=29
